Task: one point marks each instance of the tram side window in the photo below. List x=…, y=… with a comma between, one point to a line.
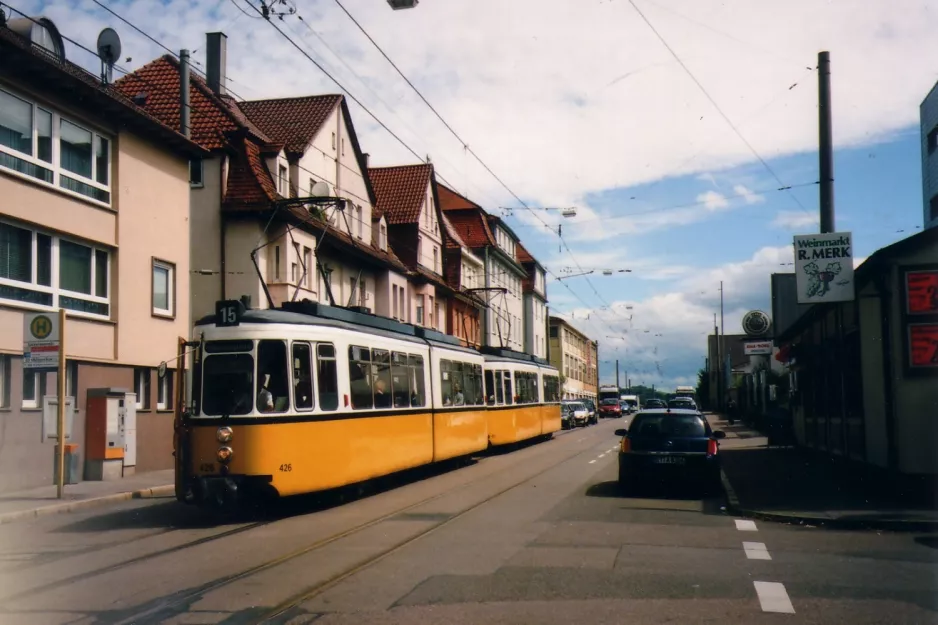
x=551, y=388
x=273, y=394
x=418, y=395
x=499, y=388
x=302, y=377
x=526, y=391
x=490, y=388
x=472, y=378
x=361, y=376
x=327, y=376
x=382, y=365
x=400, y=380
x=508, y=395
x=446, y=382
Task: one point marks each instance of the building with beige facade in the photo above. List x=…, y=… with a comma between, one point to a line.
x=576, y=356
x=95, y=220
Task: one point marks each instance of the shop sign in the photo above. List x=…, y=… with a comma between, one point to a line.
x=824, y=267
x=921, y=292
x=923, y=345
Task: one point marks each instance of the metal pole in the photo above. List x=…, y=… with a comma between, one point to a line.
x=825, y=141
x=184, y=108
x=617, y=375
x=60, y=451
x=719, y=360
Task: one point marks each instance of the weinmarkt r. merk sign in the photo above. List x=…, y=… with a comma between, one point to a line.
x=824, y=267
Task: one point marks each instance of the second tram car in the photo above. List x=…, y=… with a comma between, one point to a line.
x=309, y=397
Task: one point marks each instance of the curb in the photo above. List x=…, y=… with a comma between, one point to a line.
x=827, y=522
x=72, y=506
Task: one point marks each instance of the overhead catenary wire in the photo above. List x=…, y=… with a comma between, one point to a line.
x=714, y=102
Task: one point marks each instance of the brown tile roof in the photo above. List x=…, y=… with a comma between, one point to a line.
x=293, y=122
x=401, y=191
x=211, y=118
x=453, y=240
x=450, y=200
x=249, y=182
x=472, y=227
x=523, y=255
x=21, y=60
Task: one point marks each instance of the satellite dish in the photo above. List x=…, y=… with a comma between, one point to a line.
x=109, y=50
x=321, y=189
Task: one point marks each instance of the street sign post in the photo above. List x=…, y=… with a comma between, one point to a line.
x=824, y=267
x=44, y=348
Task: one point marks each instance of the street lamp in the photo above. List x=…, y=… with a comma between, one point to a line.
x=397, y=5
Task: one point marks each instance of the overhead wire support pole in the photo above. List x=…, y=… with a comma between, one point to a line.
x=825, y=142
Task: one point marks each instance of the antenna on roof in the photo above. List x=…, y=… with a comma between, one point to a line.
x=109, y=50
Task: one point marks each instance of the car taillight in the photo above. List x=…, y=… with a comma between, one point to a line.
x=712, y=447
x=626, y=446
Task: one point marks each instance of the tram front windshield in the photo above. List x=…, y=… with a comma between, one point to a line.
x=228, y=384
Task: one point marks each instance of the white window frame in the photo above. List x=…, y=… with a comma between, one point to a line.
x=55, y=166
x=140, y=387
x=39, y=378
x=283, y=179
x=170, y=288
x=360, y=220
x=53, y=289
x=163, y=389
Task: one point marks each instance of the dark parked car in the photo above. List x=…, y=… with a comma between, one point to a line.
x=670, y=445
x=651, y=404
x=610, y=408
x=683, y=403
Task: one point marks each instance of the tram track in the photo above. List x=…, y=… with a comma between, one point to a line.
x=167, y=608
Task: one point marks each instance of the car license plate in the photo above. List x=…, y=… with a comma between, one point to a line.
x=668, y=460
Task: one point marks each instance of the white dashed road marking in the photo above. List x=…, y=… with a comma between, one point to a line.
x=592, y=461
x=745, y=525
x=602, y=455
x=756, y=551
x=773, y=597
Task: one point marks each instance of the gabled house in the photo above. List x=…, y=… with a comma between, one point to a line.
x=263, y=154
x=94, y=220
x=534, y=286
x=407, y=202
x=490, y=239
x=465, y=274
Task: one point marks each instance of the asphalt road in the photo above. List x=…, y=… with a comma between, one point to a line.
x=538, y=535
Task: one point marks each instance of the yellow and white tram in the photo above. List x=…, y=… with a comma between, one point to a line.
x=308, y=397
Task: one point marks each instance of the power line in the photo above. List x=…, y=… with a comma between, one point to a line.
x=713, y=102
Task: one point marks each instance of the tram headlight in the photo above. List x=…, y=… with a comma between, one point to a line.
x=224, y=454
x=224, y=434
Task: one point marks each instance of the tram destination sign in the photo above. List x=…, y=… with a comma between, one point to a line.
x=824, y=267
x=228, y=312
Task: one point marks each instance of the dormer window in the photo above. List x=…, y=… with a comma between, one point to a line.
x=283, y=180
x=383, y=237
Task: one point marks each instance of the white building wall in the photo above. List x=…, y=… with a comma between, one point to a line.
x=928, y=114
x=505, y=313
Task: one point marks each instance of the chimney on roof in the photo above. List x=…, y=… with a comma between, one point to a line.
x=216, y=53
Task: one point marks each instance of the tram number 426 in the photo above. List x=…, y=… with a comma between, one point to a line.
x=286, y=468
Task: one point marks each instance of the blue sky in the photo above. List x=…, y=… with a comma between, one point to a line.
x=581, y=104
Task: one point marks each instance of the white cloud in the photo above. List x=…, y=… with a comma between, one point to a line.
x=795, y=220
x=713, y=200
x=750, y=196
x=554, y=121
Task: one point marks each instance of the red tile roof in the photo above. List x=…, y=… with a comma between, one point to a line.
x=450, y=200
x=293, y=122
x=211, y=118
x=249, y=182
x=472, y=227
x=401, y=191
x=523, y=255
x=453, y=240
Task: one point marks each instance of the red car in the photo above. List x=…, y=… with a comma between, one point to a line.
x=610, y=408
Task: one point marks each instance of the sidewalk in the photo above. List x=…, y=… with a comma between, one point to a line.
x=41, y=501
x=792, y=485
